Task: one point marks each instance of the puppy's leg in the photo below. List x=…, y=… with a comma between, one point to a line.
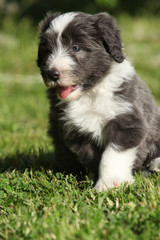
x=115, y=168
x=124, y=134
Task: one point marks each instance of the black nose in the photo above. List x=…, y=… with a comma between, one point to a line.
x=53, y=74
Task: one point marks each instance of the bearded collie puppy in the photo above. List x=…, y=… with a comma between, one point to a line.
x=102, y=116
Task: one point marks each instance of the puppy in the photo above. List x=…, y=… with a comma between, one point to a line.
x=102, y=116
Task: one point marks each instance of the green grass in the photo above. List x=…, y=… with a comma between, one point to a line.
x=34, y=203
x=40, y=205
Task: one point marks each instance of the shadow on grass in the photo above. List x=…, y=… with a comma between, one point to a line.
x=22, y=161
x=41, y=162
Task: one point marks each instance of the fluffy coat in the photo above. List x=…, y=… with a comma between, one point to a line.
x=102, y=116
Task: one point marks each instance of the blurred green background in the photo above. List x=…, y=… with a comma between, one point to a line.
x=35, y=9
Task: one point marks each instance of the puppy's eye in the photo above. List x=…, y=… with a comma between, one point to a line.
x=76, y=48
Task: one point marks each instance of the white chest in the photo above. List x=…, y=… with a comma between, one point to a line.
x=90, y=115
x=87, y=116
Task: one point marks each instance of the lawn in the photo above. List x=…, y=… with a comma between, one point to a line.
x=34, y=203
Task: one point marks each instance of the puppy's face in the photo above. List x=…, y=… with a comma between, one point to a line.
x=76, y=50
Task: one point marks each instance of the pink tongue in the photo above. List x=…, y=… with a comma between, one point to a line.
x=65, y=91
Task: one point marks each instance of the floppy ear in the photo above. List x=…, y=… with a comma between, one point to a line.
x=43, y=26
x=107, y=29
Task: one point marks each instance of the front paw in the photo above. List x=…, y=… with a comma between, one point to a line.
x=101, y=185
x=105, y=184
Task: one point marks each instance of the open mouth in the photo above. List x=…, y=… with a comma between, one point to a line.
x=65, y=91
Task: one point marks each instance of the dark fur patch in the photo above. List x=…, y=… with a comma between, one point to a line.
x=125, y=131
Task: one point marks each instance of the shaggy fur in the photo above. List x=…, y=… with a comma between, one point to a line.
x=102, y=116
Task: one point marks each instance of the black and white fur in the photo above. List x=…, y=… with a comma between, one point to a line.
x=109, y=122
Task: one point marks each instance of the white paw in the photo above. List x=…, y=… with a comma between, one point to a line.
x=105, y=184
x=100, y=186
x=155, y=165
